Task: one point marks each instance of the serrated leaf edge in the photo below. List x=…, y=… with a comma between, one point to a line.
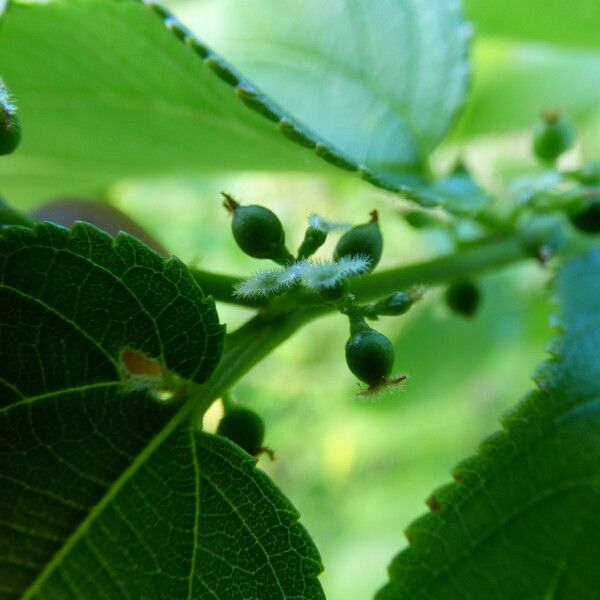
x=288, y=125
x=439, y=498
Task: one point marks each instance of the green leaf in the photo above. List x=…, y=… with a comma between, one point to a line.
x=111, y=89
x=106, y=90
x=381, y=81
x=86, y=296
x=576, y=23
x=516, y=82
x=107, y=491
x=521, y=520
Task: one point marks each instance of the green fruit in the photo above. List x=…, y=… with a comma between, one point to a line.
x=463, y=298
x=10, y=131
x=370, y=356
x=394, y=305
x=364, y=240
x=257, y=231
x=243, y=427
x=552, y=137
x=543, y=235
x=588, y=219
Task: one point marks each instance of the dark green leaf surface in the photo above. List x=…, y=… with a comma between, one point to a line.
x=110, y=89
x=521, y=520
x=106, y=492
x=81, y=294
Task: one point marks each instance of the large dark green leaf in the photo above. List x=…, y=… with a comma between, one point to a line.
x=521, y=520
x=110, y=89
x=107, y=490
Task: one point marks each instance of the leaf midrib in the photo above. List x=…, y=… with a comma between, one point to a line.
x=58, y=392
x=110, y=494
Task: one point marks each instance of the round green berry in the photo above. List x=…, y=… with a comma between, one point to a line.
x=552, y=137
x=543, y=235
x=10, y=131
x=243, y=427
x=463, y=298
x=419, y=219
x=363, y=240
x=588, y=219
x=370, y=356
x=257, y=230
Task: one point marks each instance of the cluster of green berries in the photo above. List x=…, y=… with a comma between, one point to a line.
x=369, y=354
x=259, y=233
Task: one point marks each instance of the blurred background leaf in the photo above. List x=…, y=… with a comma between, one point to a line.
x=515, y=82
x=575, y=23
x=107, y=91
x=382, y=81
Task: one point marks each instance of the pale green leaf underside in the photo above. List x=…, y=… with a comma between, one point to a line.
x=381, y=80
x=111, y=89
x=106, y=492
x=521, y=521
x=574, y=23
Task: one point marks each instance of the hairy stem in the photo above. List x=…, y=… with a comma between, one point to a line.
x=259, y=336
x=467, y=262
